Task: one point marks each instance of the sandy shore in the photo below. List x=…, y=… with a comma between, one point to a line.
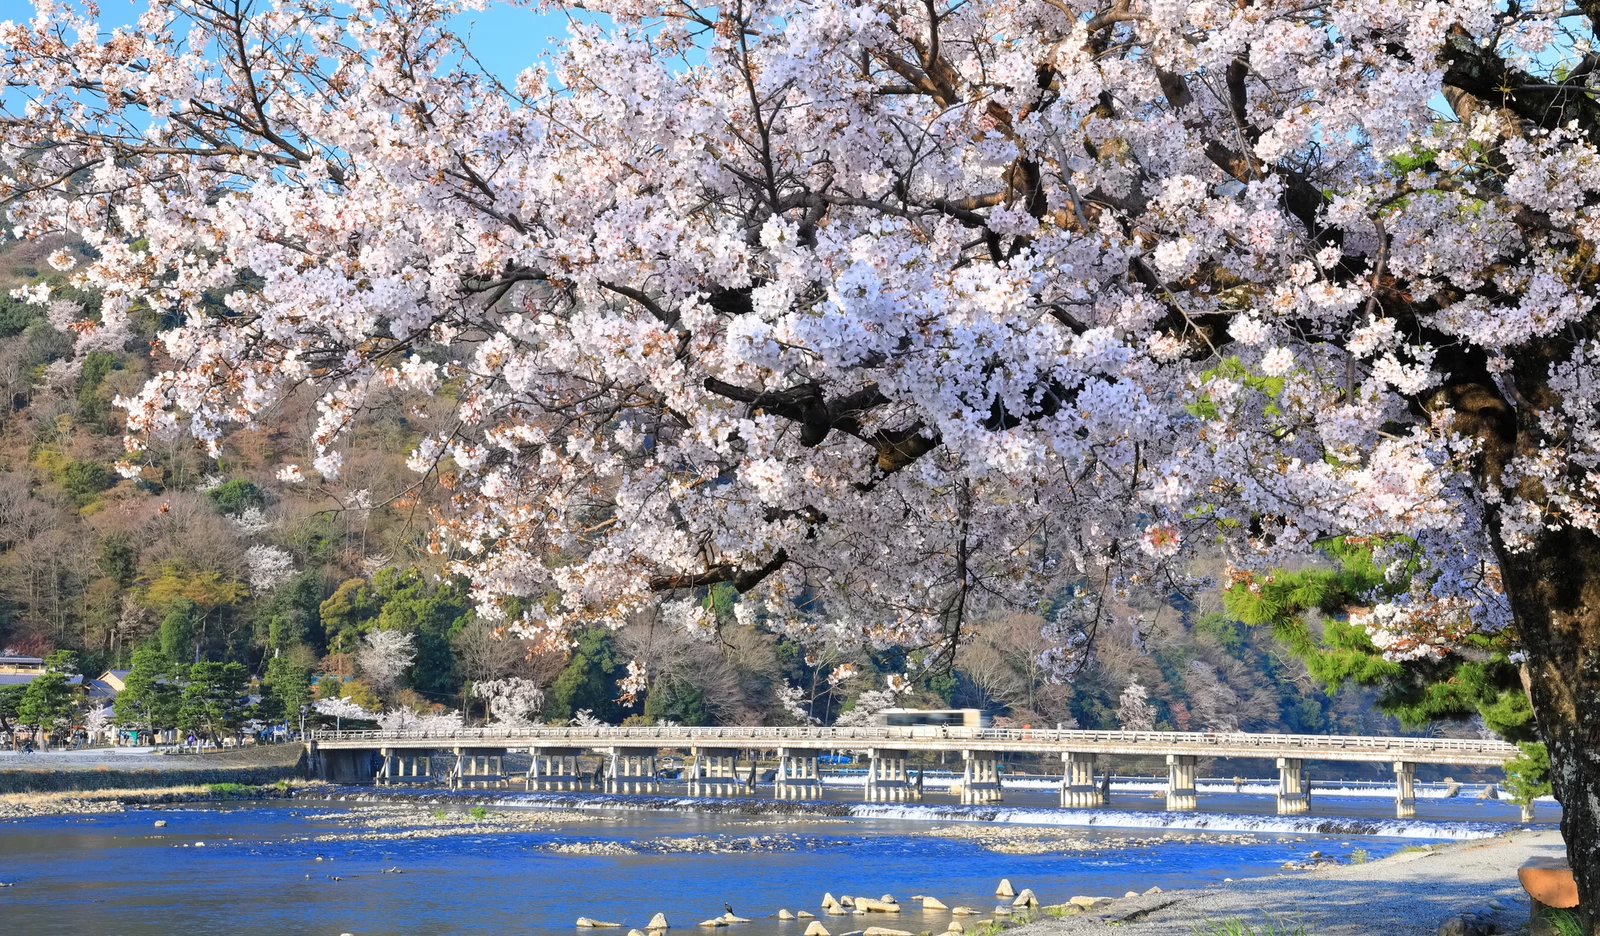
x=1407, y=894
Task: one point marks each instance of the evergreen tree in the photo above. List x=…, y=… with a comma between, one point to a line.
x=150, y=697
x=214, y=700
x=588, y=681
x=180, y=629
x=1485, y=682
x=286, y=688
x=49, y=701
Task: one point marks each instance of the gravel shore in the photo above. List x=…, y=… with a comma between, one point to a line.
x=1407, y=894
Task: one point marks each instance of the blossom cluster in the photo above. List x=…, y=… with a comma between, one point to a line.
x=877, y=313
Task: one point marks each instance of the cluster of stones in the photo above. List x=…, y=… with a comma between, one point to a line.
x=844, y=906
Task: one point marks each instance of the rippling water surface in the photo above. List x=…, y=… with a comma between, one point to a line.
x=257, y=871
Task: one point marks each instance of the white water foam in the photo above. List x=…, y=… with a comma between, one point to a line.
x=1153, y=786
x=925, y=812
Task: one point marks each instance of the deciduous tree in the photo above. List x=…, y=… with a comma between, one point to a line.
x=881, y=313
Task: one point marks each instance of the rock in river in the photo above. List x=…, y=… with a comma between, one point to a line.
x=586, y=923
x=816, y=929
x=658, y=922
x=1005, y=889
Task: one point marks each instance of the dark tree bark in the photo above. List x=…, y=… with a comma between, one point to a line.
x=1555, y=601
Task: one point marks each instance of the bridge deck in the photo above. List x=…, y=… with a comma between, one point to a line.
x=1466, y=752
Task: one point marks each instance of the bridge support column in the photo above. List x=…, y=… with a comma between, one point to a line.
x=716, y=773
x=887, y=780
x=553, y=769
x=797, y=776
x=1405, y=792
x=1180, y=782
x=1292, y=796
x=1078, y=787
x=980, y=777
x=480, y=765
x=632, y=770
x=405, y=765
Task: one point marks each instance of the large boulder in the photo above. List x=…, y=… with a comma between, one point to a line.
x=815, y=928
x=805, y=915
x=785, y=915
x=963, y=911
x=1005, y=889
x=876, y=906
x=956, y=927
x=634, y=932
x=713, y=922
x=932, y=903
x=586, y=923
x=1026, y=899
x=730, y=918
x=658, y=922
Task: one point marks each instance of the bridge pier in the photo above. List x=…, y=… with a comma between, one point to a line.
x=1405, y=793
x=480, y=765
x=716, y=773
x=1292, y=795
x=887, y=779
x=554, y=769
x=797, y=777
x=1180, y=782
x=633, y=770
x=980, y=777
x=413, y=765
x=1078, y=787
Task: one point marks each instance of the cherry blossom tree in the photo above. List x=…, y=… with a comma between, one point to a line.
x=384, y=657
x=883, y=313
x=1134, y=711
x=513, y=701
x=339, y=710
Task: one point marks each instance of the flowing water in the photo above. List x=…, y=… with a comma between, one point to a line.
x=258, y=870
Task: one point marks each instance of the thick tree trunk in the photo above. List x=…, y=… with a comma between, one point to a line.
x=1555, y=601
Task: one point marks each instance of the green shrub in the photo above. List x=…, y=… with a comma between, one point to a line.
x=236, y=496
x=478, y=813
x=82, y=480
x=1360, y=856
x=236, y=790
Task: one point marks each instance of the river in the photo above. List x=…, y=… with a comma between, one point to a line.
x=424, y=865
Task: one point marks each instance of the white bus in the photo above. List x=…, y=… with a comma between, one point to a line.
x=927, y=718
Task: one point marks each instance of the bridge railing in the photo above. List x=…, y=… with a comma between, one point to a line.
x=854, y=736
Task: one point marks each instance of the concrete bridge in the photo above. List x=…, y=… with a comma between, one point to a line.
x=630, y=756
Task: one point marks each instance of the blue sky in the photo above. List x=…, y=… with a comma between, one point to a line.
x=506, y=39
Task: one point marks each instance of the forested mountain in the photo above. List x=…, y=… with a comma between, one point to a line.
x=204, y=559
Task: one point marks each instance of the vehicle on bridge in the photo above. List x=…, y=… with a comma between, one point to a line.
x=934, y=718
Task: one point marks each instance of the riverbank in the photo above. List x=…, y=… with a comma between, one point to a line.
x=91, y=771
x=16, y=806
x=1406, y=894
